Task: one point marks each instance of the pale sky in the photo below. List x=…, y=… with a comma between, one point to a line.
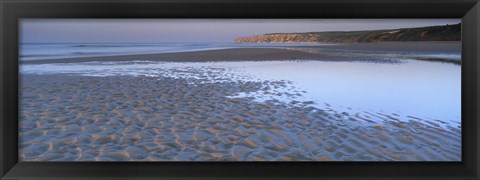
x=193, y=30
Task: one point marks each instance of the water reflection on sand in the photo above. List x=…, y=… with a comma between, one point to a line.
x=267, y=110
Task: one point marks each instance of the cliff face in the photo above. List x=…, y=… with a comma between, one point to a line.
x=432, y=33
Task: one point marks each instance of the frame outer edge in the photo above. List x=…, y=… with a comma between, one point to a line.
x=2, y=85
x=2, y=136
x=476, y=41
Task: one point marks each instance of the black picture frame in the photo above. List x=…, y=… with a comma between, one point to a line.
x=12, y=10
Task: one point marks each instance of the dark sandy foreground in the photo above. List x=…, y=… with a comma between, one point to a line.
x=127, y=118
x=283, y=53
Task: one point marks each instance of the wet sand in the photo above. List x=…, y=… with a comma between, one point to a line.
x=420, y=46
x=280, y=53
x=127, y=118
x=439, y=51
x=68, y=117
x=234, y=54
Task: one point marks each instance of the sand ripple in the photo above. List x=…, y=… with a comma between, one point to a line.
x=126, y=118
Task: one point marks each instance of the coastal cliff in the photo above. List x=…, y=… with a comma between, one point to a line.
x=431, y=33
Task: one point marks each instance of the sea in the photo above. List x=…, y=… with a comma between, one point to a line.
x=41, y=51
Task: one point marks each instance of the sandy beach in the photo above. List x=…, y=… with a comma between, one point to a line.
x=279, y=54
x=149, y=119
x=161, y=117
x=420, y=46
x=234, y=54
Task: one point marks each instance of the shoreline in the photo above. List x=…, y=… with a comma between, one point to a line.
x=169, y=115
x=233, y=54
x=423, y=47
x=278, y=53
